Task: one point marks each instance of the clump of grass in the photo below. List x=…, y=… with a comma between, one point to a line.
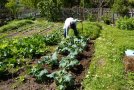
x=14, y=25
x=107, y=70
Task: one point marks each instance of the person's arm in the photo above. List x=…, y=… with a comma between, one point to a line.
x=77, y=20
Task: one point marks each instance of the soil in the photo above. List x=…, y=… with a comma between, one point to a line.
x=30, y=83
x=129, y=63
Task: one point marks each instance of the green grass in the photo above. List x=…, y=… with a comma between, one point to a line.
x=14, y=25
x=106, y=71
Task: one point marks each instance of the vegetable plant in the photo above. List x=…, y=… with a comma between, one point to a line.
x=39, y=73
x=68, y=62
x=52, y=39
x=72, y=45
x=62, y=78
x=50, y=59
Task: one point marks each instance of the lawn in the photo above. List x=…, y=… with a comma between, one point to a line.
x=106, y=71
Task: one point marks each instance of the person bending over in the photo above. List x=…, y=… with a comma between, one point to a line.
x=70, y=23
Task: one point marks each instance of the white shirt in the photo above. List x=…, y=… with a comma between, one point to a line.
x=69, y=21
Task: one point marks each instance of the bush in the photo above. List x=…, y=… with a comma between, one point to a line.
x=89, y=29
x=125, y=23
x=106, y=19
x=50, y=9
x=91, y=17
x=14, y=24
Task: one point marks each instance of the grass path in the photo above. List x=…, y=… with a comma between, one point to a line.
x=106, y=71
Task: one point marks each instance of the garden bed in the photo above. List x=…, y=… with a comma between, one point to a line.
x=30, y=83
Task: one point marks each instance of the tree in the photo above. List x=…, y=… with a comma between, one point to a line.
x=13, y=6
x=30, y=3
x=2, y=3
x=100, y=4
x=51, y=9
x=131, y=3
x=120, y=6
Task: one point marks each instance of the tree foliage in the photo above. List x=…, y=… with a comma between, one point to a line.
x=51, y=9
x=120, y=6
x=3, y=2
x=131, y=2
x=13, y=6
x=30, y=3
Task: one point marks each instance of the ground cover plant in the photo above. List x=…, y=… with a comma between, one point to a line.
x=107, y=69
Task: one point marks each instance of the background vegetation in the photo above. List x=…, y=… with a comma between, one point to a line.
x=51, y=9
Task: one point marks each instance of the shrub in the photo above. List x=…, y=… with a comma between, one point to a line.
x=50, y=9
x=91, y=17
x=125, y=23
x=106, y=19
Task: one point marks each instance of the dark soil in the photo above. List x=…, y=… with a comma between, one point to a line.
x=30, y=83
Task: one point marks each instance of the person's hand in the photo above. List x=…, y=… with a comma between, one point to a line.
x=80, y=20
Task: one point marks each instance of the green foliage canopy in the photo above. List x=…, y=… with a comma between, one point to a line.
x=13, y=6
x=51, y=9
x=120, y=6
x=30, y=3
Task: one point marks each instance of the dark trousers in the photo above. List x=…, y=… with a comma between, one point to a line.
x=73, y=26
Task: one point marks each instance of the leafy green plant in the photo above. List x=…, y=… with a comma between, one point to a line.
x=39, y=73
x=62, y=78
x=50, y=60
x=53, y=38
x=72, y=45
x=68, y=62
x=27, y=47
